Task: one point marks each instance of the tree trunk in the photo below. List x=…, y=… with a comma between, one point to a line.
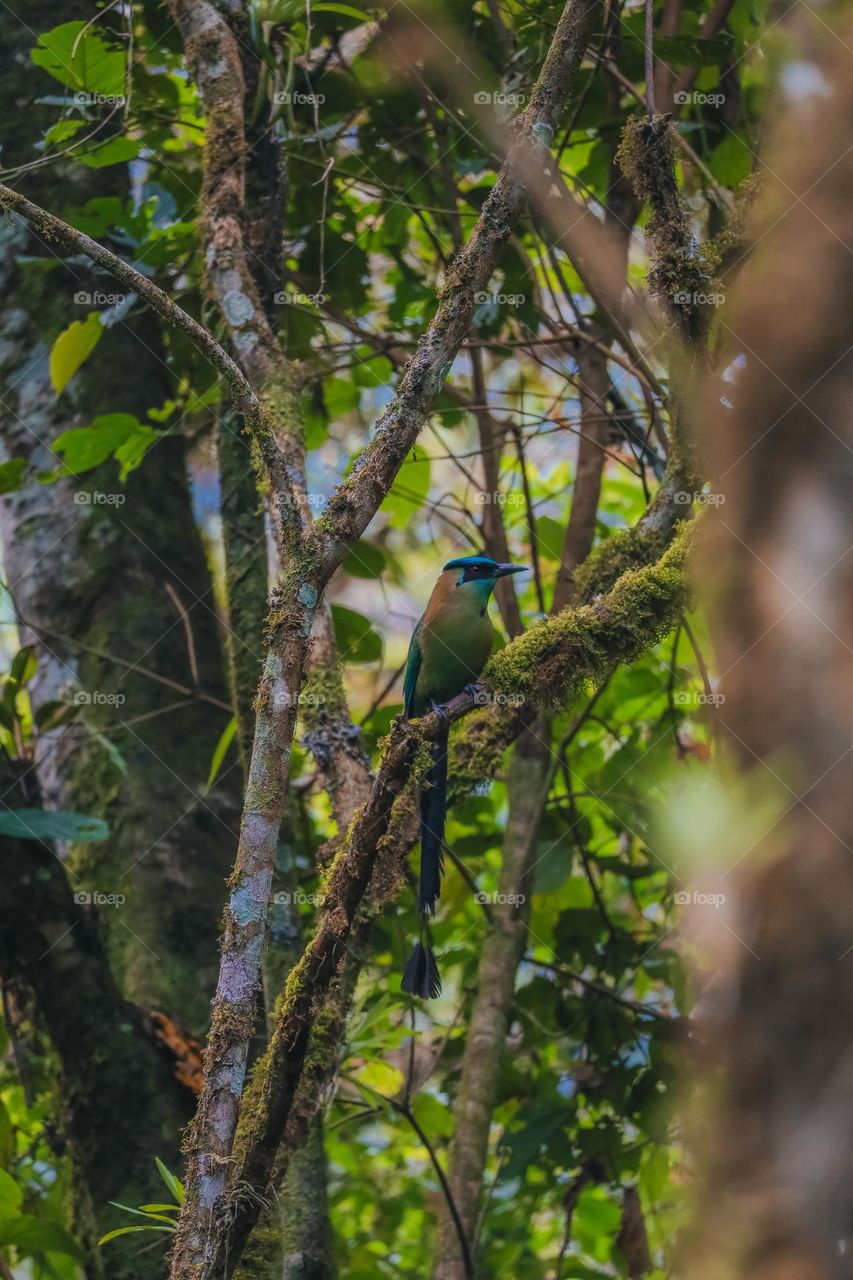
x=776, y=1204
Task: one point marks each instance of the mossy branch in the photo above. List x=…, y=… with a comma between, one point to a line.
x=540, y=671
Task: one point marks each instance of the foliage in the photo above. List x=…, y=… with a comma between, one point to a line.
x=383, y=178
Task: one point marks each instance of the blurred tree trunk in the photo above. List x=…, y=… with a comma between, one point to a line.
x=126, y=578
x=129, y=580
x=777, y=1204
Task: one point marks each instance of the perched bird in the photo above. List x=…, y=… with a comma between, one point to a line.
x=449, y=648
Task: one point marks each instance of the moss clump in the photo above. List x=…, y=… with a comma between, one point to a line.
x=681, y=276
x=549, y=663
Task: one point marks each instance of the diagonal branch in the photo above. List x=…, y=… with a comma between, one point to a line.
x=247, y=404
x=544, y=668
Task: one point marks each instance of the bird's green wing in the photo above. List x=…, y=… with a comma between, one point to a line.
x=413, y=670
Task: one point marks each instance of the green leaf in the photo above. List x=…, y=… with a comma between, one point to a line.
x=160, y=1208
x=118, y=435
x=355, y=637
x=24, y=665
x=63, y=130
x=11, y=474
x=407, y=492
x=128, y=1231
x=172, y=1182
x=346, y=9
x=11, y=1194
x=364, y=560
x=87, y=63
x=219, y=751
x=71, y=348
x=550, y=536
x=382, y=1077
x=116, y=151
x=31, y=1235
x=143, y=1213
x=56, y=824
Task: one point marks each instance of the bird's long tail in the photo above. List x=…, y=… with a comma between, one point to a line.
x=421, y=975
x=433, y=813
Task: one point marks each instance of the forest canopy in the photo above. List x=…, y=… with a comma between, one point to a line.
x=305, y=305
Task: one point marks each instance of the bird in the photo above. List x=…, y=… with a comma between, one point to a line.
x=450, y=645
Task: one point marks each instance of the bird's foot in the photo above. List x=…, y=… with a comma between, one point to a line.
x=440, y=709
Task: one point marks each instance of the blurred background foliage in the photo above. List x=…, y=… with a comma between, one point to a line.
x=385, y=174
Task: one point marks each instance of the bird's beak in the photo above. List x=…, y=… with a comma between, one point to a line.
x=504, y=569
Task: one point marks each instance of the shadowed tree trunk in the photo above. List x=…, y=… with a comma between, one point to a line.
x=777, y=1203
x=124, y=577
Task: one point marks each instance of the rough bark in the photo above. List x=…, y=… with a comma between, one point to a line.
x=779, y=1137
x=104, y=1046
x=91, y=579
x=593, y=382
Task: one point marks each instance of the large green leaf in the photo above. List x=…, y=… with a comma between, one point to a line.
x=71, y=348
x=408, y=492
x=56, y=824
x=118, y=435
x=83, y=62
x=356, y=639
x=31, y=1235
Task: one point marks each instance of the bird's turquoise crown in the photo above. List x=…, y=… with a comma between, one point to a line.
x=481, y=569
